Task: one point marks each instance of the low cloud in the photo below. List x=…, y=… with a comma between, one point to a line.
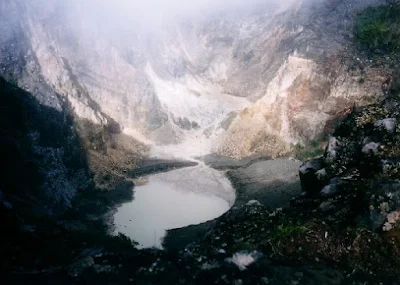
x=155, y=12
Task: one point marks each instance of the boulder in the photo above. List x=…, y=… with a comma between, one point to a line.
x=313, y=176
x=389, y=125
x=370, y=148
x=330, y=189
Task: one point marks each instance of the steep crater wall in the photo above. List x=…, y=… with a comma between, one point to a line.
x=249, y=82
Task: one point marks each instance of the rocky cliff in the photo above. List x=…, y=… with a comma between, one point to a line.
x=256, y=81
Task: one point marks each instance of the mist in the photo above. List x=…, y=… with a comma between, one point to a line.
x=155, y=12
x=147, y=15
x=121, y=18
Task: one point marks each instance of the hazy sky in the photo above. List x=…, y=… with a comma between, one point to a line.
x=119, y=15
x=159, y=11
x=178, y=7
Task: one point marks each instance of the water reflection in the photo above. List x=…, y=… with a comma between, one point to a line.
x=167, y=202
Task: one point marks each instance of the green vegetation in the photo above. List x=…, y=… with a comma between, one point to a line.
x=285, y=231
x=378, y=28
x=238, y=246
x=310, y=150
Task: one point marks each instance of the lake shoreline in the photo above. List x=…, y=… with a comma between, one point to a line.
x=273, y=191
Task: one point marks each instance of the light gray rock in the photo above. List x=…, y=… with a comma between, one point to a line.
x=253, y=203
x=388, y=124
x=243, y=259
x=329, y=190
x=311, y=166
x=331, y=151
x=321, y=174
x=370, y=148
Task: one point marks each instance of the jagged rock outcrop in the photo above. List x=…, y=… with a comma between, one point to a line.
x=43, y=162
x=361, y=161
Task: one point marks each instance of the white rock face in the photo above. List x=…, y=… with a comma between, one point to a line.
x=245, y=83
x=298, y=105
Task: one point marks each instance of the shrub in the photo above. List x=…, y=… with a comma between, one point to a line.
x=378, y=28
x=310, y=150
x=286, y=231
